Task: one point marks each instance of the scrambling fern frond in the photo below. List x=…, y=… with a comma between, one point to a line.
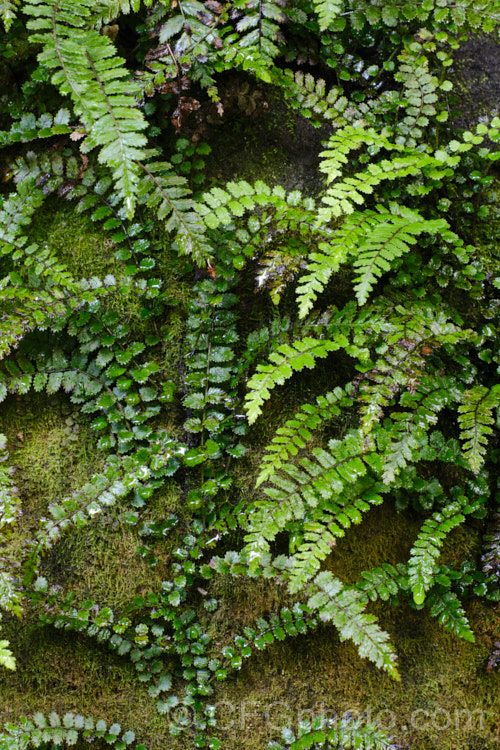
x=87, y=68
x=475, y=417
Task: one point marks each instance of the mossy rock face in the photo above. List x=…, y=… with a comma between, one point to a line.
x=445, y=699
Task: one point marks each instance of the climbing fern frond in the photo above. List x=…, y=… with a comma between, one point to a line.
x=287, y=359
x=475, y=417
x=87, y=68
x=345, y=608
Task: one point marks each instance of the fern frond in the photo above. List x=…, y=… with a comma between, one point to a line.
x=327, y=11
x=111, y=9
x=408, y=334
x=396, y=231
x=326, y=523
x=322, y=476
x=446, y=607
x=169, y=195
x=425, y=400
x=341, y=196
x=297, y=432
x=286, y=360
x=10, y=504
x=88, y=69
x=419, y=91
x=345, y=608
x=383, y=583
x=427, y=547
x=475, y=418
x=8, y=10
x=78, y=510
x=325, y=733
x=331, y=254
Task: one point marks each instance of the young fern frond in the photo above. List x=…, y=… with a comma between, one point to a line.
x=297, y=432
x=344, y=607
x=327, y=11
x=8, y=11
x=87, y=68
x=393, y=234
x=475, y=418
x=446, y=606
x=287, y=359
x=422, y=565
x=324, y=733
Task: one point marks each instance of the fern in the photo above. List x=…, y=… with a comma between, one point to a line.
x=8, y=10
x=427, y=547
x=445, y=605
x=286, y=360
x=491, y=556
x=41, y=729
x=475, y=418
x=384, y=582
x=297, y=432
x=345, y=608
x=87, y=69
x=168, y=194
x=324, y=475
x=386, y=241
x=327, y=11
x=326, y=523
x=30, y=128
x=408, y=434
x=342, y=733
